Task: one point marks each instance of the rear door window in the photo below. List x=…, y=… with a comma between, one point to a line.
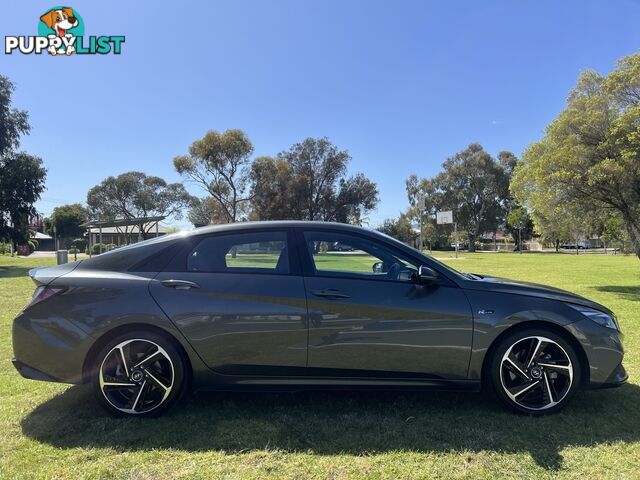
x=261, y=252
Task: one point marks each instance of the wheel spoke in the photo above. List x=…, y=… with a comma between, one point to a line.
x=517, y=391
x=124, y=361
x=155, y=379
x=119, y=384
x=553, y=365
x=535, y=352
x=517, y=368
x=145, y=360
x=135, y=403
x=548, y=388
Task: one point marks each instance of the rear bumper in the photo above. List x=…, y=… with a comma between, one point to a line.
x=32, y=373
x=48, y=348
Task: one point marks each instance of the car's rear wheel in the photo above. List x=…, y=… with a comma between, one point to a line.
x=139, y=374
x=535, y=371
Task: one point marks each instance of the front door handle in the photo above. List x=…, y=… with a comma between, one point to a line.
x=180, y=284
x=330, y=293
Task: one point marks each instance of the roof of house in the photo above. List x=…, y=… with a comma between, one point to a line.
x=40, y=236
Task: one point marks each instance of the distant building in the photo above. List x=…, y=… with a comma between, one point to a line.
x=125, y=235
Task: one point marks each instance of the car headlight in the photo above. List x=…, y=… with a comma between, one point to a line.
x=597, y=316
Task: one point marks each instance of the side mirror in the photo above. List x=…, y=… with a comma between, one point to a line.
x=426, y=274
x=378, y=267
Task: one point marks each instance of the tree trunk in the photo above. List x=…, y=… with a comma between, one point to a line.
x=472, y=242
x=557, y=245
x=634, y=234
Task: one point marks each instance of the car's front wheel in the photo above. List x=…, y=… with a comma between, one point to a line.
x=139, y=373
x=535, y=371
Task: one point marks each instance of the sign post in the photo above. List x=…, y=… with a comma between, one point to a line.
x=445, y=218
x=421, y=208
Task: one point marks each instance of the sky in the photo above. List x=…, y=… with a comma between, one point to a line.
x=401, y=85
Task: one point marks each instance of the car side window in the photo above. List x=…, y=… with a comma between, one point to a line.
x=344, y=255
x=262, y=252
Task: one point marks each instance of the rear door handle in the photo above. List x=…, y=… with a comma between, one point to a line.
x=330, y=293
x=180, y=284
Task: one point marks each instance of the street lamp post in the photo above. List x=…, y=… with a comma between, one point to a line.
x=421, y=208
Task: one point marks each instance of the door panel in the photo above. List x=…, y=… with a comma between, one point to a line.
x=368, y=314
x=238, y=300
x=389, y=327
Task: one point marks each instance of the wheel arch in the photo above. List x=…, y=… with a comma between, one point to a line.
x=101, y=341
x=553, y=327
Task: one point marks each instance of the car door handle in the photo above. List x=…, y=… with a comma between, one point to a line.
x=180, y=284
x=330, y=293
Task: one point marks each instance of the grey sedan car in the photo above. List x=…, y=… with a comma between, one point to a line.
x=271, y=305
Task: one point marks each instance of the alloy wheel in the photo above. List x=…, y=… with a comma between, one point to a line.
x=536, y=373
x=136, y=376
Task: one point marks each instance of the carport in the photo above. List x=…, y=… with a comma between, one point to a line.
x=139, y=227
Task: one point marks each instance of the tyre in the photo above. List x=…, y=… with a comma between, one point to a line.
x=535, y=371
x=140, y=373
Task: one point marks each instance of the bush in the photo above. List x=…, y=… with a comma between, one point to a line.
x=95, y=249
x=79, y=244
x=32, y=244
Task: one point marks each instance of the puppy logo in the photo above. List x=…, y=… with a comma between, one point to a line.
x=59, y=21
x=61, y=33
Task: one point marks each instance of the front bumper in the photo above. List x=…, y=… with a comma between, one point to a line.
x=617, y=378
x=604, y=351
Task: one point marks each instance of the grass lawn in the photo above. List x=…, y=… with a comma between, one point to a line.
x=56, y=431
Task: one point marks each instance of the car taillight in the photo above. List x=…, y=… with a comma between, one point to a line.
x=42, y=293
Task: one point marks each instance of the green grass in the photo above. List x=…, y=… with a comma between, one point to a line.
x=55, y=431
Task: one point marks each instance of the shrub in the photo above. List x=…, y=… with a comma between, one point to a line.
x=79, y=244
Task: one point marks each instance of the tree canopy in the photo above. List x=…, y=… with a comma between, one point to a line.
x=309, y=182
x=218, y=163
x=67, y=220
x=134, y=195
x=473, y=184
x=22, y=176
x=589, y=158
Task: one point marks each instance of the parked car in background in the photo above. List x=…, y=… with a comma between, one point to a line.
x=581, y=244
x=147, y=323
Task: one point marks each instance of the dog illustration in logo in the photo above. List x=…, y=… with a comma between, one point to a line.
x=60, y=20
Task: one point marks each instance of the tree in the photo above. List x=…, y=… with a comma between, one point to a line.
x=613, y=231
x=272, y=194
x=309, y=182
x=22, y=176
x=135, y=195
x=67, y=220
x=218, y=163
x=205, y=211
x=473, y=185
x=521, y=226
x=13, y=122
x=200, y=214
x=590, y=155
x=21, y=183
x=399, y=228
